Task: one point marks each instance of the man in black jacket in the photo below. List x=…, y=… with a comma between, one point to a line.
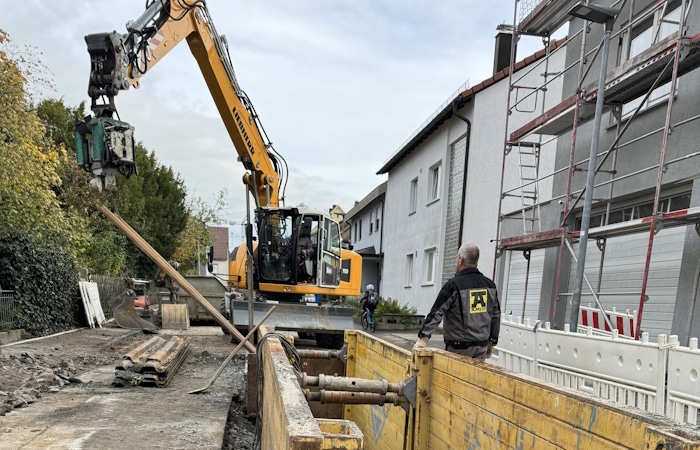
x=468, y=307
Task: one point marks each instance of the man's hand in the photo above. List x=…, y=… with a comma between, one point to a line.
x=489, y=351
x=421, y=343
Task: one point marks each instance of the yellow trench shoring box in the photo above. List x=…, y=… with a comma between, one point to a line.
x=459, y=403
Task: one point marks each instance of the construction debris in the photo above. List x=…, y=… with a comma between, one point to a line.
x=25, y=378
x=152, y=363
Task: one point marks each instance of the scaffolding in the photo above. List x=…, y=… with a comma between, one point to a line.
x=632, y=80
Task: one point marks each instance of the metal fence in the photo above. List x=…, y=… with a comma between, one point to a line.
x=7, y=310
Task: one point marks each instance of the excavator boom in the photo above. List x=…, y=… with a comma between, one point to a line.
x=299, y=251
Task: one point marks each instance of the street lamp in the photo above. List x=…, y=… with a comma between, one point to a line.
x=606, y=16
x=594, y=13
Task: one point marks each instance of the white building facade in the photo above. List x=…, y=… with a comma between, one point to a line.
x=444, y=185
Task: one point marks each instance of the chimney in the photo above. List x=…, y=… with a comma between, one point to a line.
x=504, y=39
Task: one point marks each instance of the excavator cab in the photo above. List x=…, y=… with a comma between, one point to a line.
x=298, y=246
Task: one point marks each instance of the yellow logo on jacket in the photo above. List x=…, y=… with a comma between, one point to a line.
x=477, y=300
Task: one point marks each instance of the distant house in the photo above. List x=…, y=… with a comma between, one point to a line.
x=220, y=235
x=364, y=223
x=443, y=186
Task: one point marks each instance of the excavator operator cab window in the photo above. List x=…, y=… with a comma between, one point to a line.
x=330, y=264
x=276, y=247
x=307, y=255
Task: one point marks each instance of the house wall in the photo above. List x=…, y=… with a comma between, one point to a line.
x=369, y=245
x=412, y=233
x=407, y=233
x=367, y=239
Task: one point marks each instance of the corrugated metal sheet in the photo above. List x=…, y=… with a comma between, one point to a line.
x=514, y=299
x=152, y=363
x=623, y=271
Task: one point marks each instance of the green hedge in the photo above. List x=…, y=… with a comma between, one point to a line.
x=44, y=279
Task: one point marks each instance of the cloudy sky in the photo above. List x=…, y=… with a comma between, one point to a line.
x=338, y=84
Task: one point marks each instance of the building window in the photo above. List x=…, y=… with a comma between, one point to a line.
x=359, y=229
x=658, y=26
x=434, y=183
x=371, y=221
x=429, y=266
x=355, y=234
x=638, y=211
x=408, y=274
x=413, y=199
x=376, y=226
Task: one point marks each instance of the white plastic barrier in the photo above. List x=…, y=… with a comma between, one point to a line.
x=517, y=346
x=683, y=389
x=627, y=372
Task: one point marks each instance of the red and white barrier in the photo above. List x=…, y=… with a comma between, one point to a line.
x=625, y=323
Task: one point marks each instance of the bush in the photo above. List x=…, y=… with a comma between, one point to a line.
x=392, y=306
x=386, y=306
x=44, y=279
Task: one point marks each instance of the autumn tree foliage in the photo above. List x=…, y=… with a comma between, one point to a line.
x=154, y=204
x=46, y=196
x=196, y=237
x=37, y=238
x=29, y=163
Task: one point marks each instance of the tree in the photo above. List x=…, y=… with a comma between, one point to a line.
x=195, y=239
x=101, y=248
x=153, y=203
x=28, y=162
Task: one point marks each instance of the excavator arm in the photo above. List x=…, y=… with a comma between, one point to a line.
x=284, y=270
x=118, y=61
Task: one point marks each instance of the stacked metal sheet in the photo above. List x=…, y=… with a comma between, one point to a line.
x=152, y=363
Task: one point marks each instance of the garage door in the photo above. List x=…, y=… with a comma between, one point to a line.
x=515, y=300
x=623, y=271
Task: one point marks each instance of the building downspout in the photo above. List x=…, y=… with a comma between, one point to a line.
x=466, y=158
x=380, y=269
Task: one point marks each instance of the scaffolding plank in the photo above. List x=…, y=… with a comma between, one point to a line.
x=546, y=17
x=556, y=120
x=551, y=238
x=627, y=82
x=635, y=77
x=531, y=241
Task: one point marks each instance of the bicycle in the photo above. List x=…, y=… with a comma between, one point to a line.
x=368, y=321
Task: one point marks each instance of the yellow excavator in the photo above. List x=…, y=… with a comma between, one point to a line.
x=298, y=251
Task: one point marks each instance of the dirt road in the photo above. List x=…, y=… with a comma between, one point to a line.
x=60, y=395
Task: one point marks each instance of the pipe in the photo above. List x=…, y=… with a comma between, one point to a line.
x=590, y=179
x=319, y=354
x=175, y=275
x=350, y=398
x=350, y=384
x=574, y=133
x=466, y=159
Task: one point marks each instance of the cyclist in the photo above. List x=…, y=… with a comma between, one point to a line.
x=369, y=302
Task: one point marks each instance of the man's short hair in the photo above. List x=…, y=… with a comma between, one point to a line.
x=469, y=253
